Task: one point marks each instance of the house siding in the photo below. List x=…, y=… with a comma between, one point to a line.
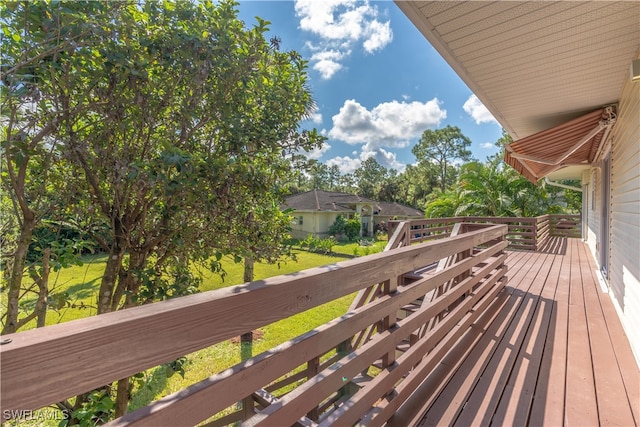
x=315, y=223
x=624, y=254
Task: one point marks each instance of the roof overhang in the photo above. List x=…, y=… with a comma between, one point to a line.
x=574, y=143
x=535, y=65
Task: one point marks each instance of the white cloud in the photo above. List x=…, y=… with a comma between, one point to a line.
x=341, y=25
x=385, y=158
x=316, y=118
x=390, y=124
x=488, y=145
x=346, y=164
x=316, y=153
x=327, y=62
x=380, y=35
x=478, y=111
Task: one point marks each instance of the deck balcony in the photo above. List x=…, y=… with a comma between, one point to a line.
x=472, y=321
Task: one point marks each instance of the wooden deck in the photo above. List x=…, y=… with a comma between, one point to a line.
x=544, y=347
x=549, y=351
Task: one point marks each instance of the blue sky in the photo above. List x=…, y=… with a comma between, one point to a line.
x=377, y=82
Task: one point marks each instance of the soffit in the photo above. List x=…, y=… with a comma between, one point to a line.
x=534, y=65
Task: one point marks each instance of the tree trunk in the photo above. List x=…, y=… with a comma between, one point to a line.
x=128, y=286
x=122, y=397
x=246, y=343
x=17, y=271
x=43, y=292
x=108, y=283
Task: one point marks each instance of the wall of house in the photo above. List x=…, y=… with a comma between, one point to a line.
x=625, y=213
x=301, y=225
x=624, y=238
x=325, y=221
x=316, y=223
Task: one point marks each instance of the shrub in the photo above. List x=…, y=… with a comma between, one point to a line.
x=326, y=245
x=352, y=228
x=315, y=244
x=338, y=226
x=347, y=227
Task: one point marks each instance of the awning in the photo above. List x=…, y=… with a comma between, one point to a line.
x=576, y=142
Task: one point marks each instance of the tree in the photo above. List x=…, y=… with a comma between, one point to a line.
x=417, y=182
x=319, y=175
x=442, y=146
x=34, y=168
x=369, y=176
x=493, y=188
x=347, y=183
x=174, y=125
x=334, y=177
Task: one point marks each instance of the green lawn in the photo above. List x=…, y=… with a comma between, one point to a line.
x=355, y=248
x=81, y=282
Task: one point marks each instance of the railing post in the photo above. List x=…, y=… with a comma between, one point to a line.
x=407, y=233
x=390, y=287
x=246, y=351
x=313, y=367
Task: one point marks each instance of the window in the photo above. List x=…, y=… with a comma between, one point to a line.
x=300, y=220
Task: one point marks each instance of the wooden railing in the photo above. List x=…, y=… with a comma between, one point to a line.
x=523, y=233
x=331, y=366
x=565, y=225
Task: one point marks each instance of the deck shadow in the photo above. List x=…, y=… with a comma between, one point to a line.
x=554, y=245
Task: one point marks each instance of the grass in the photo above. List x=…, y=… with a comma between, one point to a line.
x=356, y=249
x=359, y=247
x=82, y=282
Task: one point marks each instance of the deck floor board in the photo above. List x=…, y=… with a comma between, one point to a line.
x=450, y=402
x=554, y=352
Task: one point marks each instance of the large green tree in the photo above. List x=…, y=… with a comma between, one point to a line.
x=174, y=123
x=443, y=147
x=370, y=176
x=493, y=188
x=35, y=173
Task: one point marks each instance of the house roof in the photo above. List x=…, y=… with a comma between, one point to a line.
x=324, y=201
x=393, y=209
x=534, y=64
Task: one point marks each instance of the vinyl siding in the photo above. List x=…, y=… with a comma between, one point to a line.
x=625, y=213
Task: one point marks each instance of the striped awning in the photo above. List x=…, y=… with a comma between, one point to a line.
x=576, y=142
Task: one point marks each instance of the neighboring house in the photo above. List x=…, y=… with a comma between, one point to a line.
x=563, y=79
x=387, y=211
x=315, y=211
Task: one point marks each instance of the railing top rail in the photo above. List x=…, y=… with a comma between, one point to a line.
x=143, y=337
x=471, y=218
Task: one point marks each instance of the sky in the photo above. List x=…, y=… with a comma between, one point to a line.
x=377, y=82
